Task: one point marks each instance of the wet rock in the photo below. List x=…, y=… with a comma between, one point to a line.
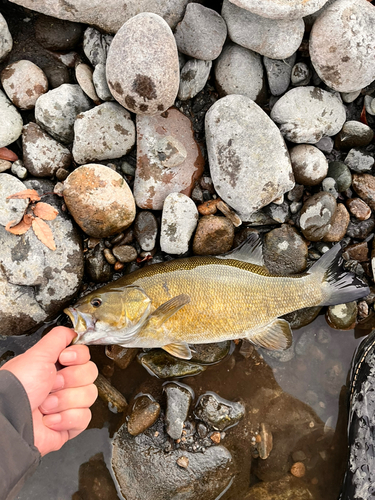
x=359, y=161
x=97, y=267
x=342, y=316
x=342, y=45
x=218, y=412
x=84, y=77
x=279, y=73
x=194, y=76
x=353, y=135
x=155, y=136
x=11, y=210
x=55, y=34
x=358, y=208
x=122, y=356
x=42, y=155
x=305, y=114
x=210, y=353
x=309, y=164
x=274, y=38
x=202, y=32
x=302, y=317
x=358, y=252
x=279, y=356
x=125, y=253
x=285, y=251
x=179, y=220
x=239, y=71
x=341, y=174
x=103, y=133
x=287, y=488
x=11, y=122
x=163, y=365
x=96, y=46
x=360, y=229
x=142, y=76
x=144, y=413
x=95, y=481
x=214, y=235
x=339, y=224
x=100, y=83
x=316, y=216
x=248, y=171
x=56, y=110
x=364, y=186
x=99, y=200
x=115, y=400
x=146, y=230
x=6, y=40
x=179, y=398
x=294, y=9
x=301, y=74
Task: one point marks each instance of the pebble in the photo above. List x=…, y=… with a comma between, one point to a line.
x=349, y=97
x=302, y=317
x=57, y=34
x=342, y=45
x=242, y=141
x=306, y=114
x=290, y=9
x=99, y=200
x=124, y=253
x=6, y=40
x=201, y=33
x=24, y=82
x=11, y=122
x=341, y=174
x=96, y=266
x=301, y=74
x=154, y=180
x=183, y=462
x=309, y=164
x=57, y=74
x=100, y=83
x=285, y=251
x=214, y=235
x=342, y=316
x=218, y=412
x=179, y=398
x=96, y=46
x=358, y=208
x=179, y=220
x=121, y=356
x=142, y=65
x=369, y=103
x=325, y=144
x=358, y=252
x=144, y=413
x=42, y=155
x=193, y=78
x=208, y=354
x=360, y=229
x=274, y=38
x=298, y=469
x=110, y=258
x=358, y=161
x=364, y=186
x=279, y=213
x=102, y=133
x=164, y=366
x=19, y=170
x=279, y=73
x=84, y=77
x=5, y=165
x=49, y=106
x=11, y=210
x=353, y=135
x=239, y=71
x=146, y=230
x=316, y=216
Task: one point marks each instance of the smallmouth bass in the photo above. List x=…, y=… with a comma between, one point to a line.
x=198, y=300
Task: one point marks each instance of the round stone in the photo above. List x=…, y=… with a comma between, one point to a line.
x=146, y=230
x=285, y=251
x=57, y=34
x=316, y=216
x=144, y=413
x=282, y=9
x=342, y=316
x=214, y=235
x=11, y=122
x=342, y=175
x=358, y=208
x=364, y=186
x=99, y=200
x=353, y=135
x=6, y=40
x=339, y=224
x=358, y=161
x=124, y=253
x=309, y=164
x=142, y=65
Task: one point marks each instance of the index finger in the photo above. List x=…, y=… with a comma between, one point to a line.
x=54, y=342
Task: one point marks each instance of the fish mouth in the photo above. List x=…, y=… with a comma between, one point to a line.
x=82, y=323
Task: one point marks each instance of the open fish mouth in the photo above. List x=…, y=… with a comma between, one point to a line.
x=82, y=323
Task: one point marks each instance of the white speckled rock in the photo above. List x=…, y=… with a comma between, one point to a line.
x=310, y=166
x=103, y=133
x=56, y=110
x=249, y=162
x=100, y=83
x=316, y=216
x=194, y=77
x=11, y=210
x=142, y=65
x=96, y=45
x=179, y=220
x=306, y=114
x=24, y=82
x=6, y=40
x=274, y=38
x=11, y=121
x=342, y=45
x=279, y=73
x=282, y=9
x=239, y=71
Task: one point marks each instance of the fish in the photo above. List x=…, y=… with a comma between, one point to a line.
x=206, y=299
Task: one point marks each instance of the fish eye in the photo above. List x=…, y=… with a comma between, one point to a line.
x=96, y=302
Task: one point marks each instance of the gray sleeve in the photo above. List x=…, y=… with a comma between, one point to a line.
x=18, y=455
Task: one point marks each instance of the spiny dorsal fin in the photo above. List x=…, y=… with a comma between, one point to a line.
x=166, y=310
x=276, y=336
x=179, y=350
x=250, y=251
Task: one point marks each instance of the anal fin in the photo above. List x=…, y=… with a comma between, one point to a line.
x=179, y=350
x=276, y=335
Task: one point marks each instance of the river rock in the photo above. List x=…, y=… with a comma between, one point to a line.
x=19, y=170
x=358, y=208
x=84, y=77
x=194, y=76
x=55, y=34
x=294, y=9
x=214, y=235
x=6, y=40
x=142, y=65
x=11, y=122
x=342, y=316
x=309, y=164
x=316, y=215
x=179, y=220
x=342, y=175
x=42, y=155
x=285, y=251
x=306, y=114
x=146, y=230
x=202, y=33
x=339, y=224
x=179, y=397
x=56, y=110
x=248, y=171
x=360, y=229
x=274, y=38
x=279, y=73
x=11, y=210
x=239, y=71
x=99, y=200
x=97, y=267
x=208, y=354
x=164, y=366
x=96, y=46
x=163, y=141
x=100, y=83
x=353, y=135
x=287, y=488
x=358, y=161
x=103, y=133
x=144, y=413
x=218, y=412
x=124, y=253
x=342, y=45
x=364, y=186
x=301, y=74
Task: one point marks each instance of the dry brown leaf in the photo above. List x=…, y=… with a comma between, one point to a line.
x=43, y=233
x=28, y=218
x=45, y=211
x=26, y=193
x=19, y=228
x=7, y=154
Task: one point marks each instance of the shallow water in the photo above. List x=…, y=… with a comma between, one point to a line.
x=314, y=423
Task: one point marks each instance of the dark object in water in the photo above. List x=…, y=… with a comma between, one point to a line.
x=359, y=481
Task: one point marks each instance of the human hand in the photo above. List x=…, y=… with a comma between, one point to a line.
x=59, y=399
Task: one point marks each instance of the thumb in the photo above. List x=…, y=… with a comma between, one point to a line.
x=51, y=345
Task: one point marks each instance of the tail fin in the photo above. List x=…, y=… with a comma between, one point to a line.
x=338, y=285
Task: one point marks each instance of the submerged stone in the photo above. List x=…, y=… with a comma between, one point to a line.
x=210, y=353
x=218, y=412
x=144, y=413
x=163, y=365
x=179, y=398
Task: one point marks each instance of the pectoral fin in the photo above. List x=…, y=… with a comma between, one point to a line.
x=168, y=309
x=181, y=350
x=276, y=336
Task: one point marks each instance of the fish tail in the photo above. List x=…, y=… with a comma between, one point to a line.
x=338, y=285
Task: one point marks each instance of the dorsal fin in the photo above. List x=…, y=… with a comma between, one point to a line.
x=250, y=251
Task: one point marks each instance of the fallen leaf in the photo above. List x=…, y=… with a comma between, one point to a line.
x=45, y=211
x=19, y=228
x=28, y=218
x=7, y=154
x=43, y=233
x=26, y=193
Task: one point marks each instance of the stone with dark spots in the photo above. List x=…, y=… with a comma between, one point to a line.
x=55, y=34
x=364, y=186
x=13, y=209
x=218, y=412
x=342, y=316
x=214, y=235
x=353, y=135
x=179, y=398
x=359, y=161
x=316, y=216
x=285, y=251
x=194, y=76
x=144, y=413
x=164, y=366
x=360, y=229
x=11, y=121
x=208, y=354
x=339, y=224
x=309, y=164
x=146, y=230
